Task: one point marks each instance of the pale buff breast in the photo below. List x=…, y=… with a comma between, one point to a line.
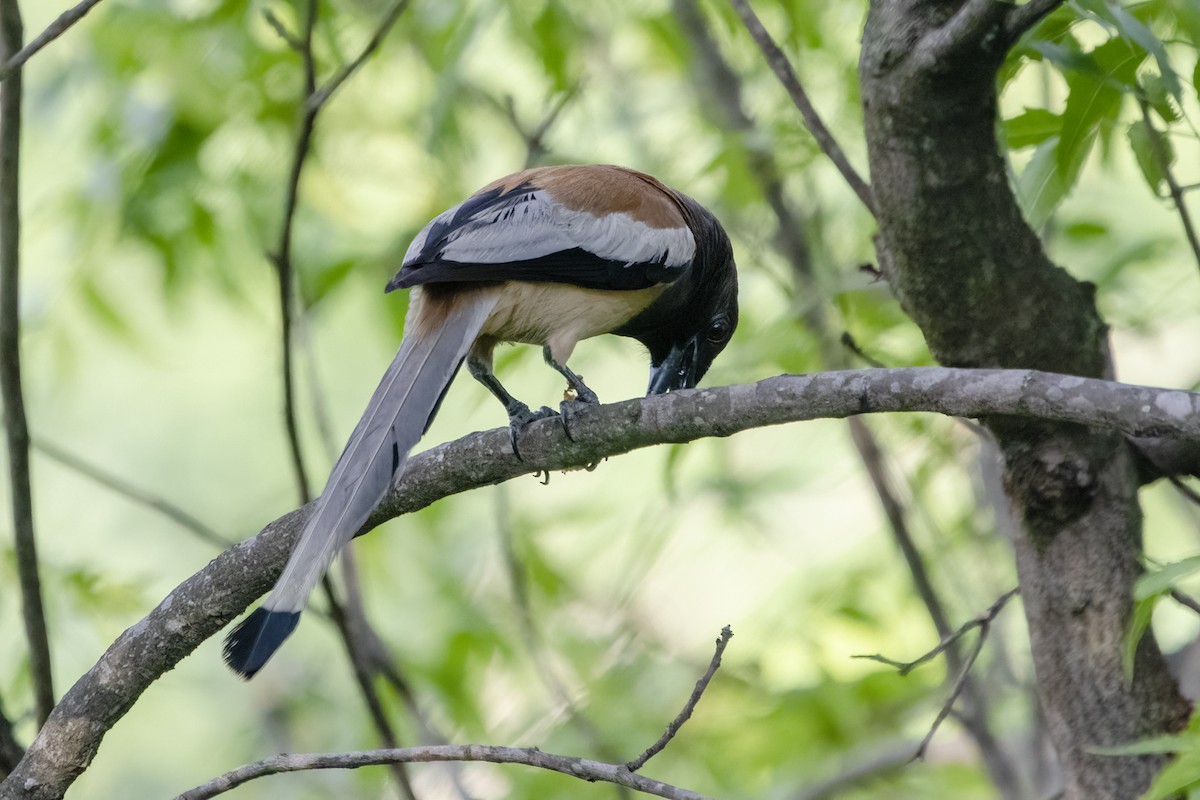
x=560, y=315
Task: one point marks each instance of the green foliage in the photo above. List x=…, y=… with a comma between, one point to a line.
x=159, y=142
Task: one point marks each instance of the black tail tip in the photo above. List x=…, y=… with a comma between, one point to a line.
x=256, y=638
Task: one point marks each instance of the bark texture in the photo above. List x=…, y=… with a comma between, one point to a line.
x=973, y=275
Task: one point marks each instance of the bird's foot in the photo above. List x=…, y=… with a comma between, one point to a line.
x=572, y=404
x=519, y=418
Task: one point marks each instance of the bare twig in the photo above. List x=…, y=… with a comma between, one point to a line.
x=581, y=768
x=787, y=76
x=53, y=31
x=850, y=343
x=131, y=492
x=905, y=667
x=350, y=620
x=955, y=691
x=1022, y=18
x=688, y=707
x=360, y=666
x=1187, y=601
x=282, y=31
x=318, y=98
x=282, y=257
x=17, y=427
x=1164, y=163
x=872, y=458
x=975, y=715
x=535, y=138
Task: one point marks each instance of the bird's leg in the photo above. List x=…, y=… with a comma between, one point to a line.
x=584, y=396
x=519, y=414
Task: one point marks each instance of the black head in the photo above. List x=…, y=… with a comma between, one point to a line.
x=690, y=324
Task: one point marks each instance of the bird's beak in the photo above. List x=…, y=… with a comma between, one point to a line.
x=676, y=371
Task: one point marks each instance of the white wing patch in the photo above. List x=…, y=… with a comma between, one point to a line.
x=529, y=224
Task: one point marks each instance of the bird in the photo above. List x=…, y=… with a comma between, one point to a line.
x=546, y=256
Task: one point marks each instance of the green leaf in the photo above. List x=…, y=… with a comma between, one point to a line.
x=1146, y=142
x=1031, y=127
x=1163, y=580
x=1151, y=746
x=1143, y=611
x=1040, y=186
x=1196, y=78
x=554, y=35
x=1133, y=28
x=1182, y=774
x=1095, y=98
x=1159, y=97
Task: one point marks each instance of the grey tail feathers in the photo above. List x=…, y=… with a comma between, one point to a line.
x=397, y=416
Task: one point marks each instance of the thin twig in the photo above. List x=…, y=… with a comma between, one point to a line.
x=1187, y=601
x=955, y=691
x=812, y=120
x=1022, y=18
x=17, y=427
x=282, y=31
x=905, y=667
x=850, y=343
x=351, y=623
x=975, y=717
x=283, y=255
x=688, y=707
x=53, y=31
x=1185, y=490
x=581, y=768
x=1164, y=163
x=132, y=493
x=360, y=665
x=318, y=98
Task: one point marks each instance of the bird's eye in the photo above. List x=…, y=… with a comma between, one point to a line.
x=719, y=330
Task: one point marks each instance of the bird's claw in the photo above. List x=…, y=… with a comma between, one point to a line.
x=569, y=409
x=521, y=417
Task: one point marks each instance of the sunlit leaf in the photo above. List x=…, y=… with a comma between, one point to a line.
x=1150, y=147
x=1164, y=579
x=1031, y=127
x=1041, y=186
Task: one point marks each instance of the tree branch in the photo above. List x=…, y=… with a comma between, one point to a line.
x=53, y=31
x=132, y=493
x=222, y=589
x=318, y=98
x=974, y=21
x=16, y=426
x=812, y=120
x=1023, y=18
x=688, y=707
x=581, y=768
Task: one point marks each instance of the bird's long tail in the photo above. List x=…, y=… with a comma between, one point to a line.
x=395, y=419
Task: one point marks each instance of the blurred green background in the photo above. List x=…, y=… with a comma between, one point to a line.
x=158, y=136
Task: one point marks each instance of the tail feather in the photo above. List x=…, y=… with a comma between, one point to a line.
x=398, y=414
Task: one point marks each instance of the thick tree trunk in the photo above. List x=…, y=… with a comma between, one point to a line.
x=974, y=276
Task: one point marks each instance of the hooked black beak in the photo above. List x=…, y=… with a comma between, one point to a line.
x=676, y=371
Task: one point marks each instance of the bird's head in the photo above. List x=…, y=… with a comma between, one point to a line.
x=695, y=317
